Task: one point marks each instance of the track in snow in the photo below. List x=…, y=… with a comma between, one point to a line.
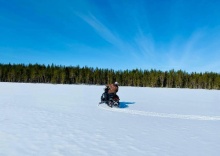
x=161, y=115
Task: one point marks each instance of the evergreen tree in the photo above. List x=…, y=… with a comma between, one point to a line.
x=36, y=73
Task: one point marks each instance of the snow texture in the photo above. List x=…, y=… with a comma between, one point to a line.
x=64, y=120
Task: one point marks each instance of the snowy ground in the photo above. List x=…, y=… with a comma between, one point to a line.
x=56, y=120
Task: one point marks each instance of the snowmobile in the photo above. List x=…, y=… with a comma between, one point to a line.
x=112, y=100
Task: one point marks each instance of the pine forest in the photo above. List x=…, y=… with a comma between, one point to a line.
x=36, y=73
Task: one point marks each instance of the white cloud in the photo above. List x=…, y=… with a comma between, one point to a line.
x=102, y=30
x=129, y=51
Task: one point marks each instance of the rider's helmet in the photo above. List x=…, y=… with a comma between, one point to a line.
x=116, y=83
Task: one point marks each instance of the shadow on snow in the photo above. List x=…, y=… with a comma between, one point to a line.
x=125, y=104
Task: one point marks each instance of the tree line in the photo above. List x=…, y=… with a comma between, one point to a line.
x=36, y=73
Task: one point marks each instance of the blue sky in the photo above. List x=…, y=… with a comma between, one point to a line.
x=116, y=34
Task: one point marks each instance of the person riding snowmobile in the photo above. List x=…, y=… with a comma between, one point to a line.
x=113, y=88
x=110, y=91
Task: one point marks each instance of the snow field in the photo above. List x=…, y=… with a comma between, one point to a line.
x=46, y=119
